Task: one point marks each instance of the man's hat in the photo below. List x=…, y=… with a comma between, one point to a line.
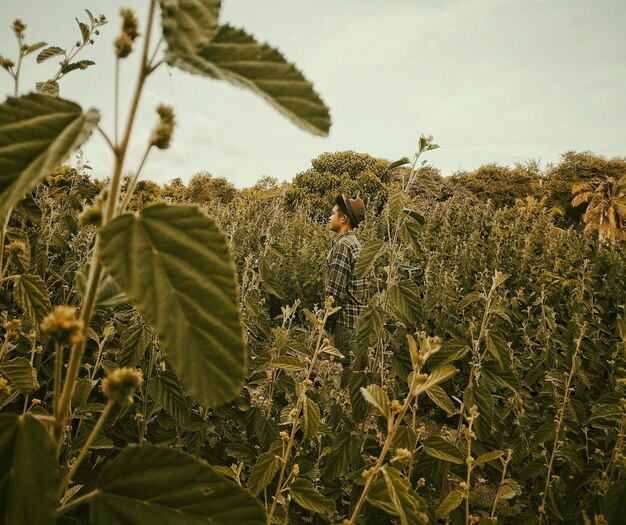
x=356, y=210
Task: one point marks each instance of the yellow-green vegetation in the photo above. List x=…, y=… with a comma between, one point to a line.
x=163, y=356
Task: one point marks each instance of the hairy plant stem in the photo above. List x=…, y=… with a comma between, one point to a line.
x=559, y=424
x=90, y=439
x=5, y=227
x=58, y=376
x=509, y=454
x=76, y=502
x=373, y=472
x=95, y=270
x=469, y=461
x=294, y=426
x=130, y=188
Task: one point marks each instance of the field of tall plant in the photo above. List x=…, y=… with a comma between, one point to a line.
x=164, y=361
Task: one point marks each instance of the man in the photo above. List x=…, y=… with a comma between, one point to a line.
x=341, y=283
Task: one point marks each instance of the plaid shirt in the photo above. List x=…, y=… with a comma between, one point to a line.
x=349, y=292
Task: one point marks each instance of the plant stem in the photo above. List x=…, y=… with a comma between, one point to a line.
x=509, y=454
x=58, y=377
x=294, y=426
x=90, y=439
x=130, y=188
x=381, y=458
x=76, y=502
x=559, y=423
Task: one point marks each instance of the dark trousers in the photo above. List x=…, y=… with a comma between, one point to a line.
x=344, y=340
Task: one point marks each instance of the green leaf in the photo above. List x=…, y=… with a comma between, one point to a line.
x=306, y=495
x=499, y=278
x=487, y=457
x=263, y=472
x=405, y=297
x=408, y=505
x=20, y=374
x=416, y=216
x=405, y=438
x=615, y=503
x=166, y=390
x=403, y=161
x=266, y=430
x=429, y=183
x=451, y=502
x=189, y=25
x=439, y=448
x=311, y=419
x=360, y=408
x=395, y=205
x=18, y=235
x=509, y=489
x=286, y=362
x=149, y=484
x=441, y=399
x=135, y=339
x=410, y=234
x=49, y=52
x=470, y=298
x=450, y=351
x=370, y=252
x=31, y=293
x=235, y=56
x=369, y=326
x=37, y=133
x=174, y=264
x=29, y=475
x=438, y=375
x=49, y=87
x=497, y=348
x=377, y=397
x=343, y=454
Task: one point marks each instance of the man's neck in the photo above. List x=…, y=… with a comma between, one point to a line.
x=342, y=230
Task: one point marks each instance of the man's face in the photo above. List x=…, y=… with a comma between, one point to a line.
x=336, y=220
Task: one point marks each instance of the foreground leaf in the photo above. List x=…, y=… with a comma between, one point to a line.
x=149, y=484
x=189, y=25
x=20, y=373
x=368, y=256
x=235, y=56
x=306, y=495
x=376, y=396
x=451, y=502
x=31, y=293
x=439, y=448
x=28, y=471
x=263, y=472
x=174, y=264
x=166, y=390
x=37, y=133
x=311, y=419
x=396, y=497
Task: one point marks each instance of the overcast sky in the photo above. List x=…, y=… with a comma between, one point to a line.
x=492, y=80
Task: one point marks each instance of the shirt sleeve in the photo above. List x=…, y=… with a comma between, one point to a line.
x=339, y=272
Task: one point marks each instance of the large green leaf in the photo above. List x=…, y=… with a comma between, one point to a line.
x=369, y=326
x=189, y=25
x=451, y=502
x=20, y=374
x=149, y=484
x=29, y=475
x=37, y=133
x=438, y=375
x=310, y=419
x=377, y=397
x=306, y=495
x=370, y=252
x=31, y=293
x=441, y=399
x=263, y=472
x=409, y=505
x=18, y=235
x=439, y=448
x=236, y=56
x=405, y=297
x=166, y=390
x=174, y=264
x=135, y=339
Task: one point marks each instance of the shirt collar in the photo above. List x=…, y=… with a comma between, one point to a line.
x=341, y=236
